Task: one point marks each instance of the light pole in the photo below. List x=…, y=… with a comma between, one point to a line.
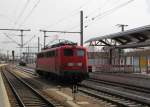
x=122, y=26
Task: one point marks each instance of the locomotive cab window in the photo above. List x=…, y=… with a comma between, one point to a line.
x=68, y=52
x=80, y=52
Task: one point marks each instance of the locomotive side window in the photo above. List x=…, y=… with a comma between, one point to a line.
x=46, y=54
x=56, y=53
x=40, y=55
x=51, y=54
x=80, y=52
x=68, y=52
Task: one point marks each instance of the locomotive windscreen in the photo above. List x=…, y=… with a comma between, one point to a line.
x=80, y=52
x=68, y=52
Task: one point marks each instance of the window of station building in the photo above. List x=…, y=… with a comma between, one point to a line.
x=80, y=52
x=68, y=52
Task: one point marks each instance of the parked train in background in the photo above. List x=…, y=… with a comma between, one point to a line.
x=64, y=61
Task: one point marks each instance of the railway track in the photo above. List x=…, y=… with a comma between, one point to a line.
x=122, y=85
x=27, y=70
x=118, y=98
x=26, y=96
x=136, y=76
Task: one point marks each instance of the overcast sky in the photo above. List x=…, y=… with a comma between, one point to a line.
x=100, y=18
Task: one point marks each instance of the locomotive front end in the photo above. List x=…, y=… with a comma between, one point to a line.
x=74, y=63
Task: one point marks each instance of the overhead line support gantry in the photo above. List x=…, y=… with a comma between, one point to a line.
x=21, y=35
x=81, y=30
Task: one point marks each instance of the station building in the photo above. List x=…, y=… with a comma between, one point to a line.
x=127, y=51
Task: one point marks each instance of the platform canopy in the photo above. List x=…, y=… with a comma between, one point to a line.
x=133, y=38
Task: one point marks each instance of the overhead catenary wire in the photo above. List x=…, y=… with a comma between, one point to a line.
x=73, y=13
x=30, y=40
x=22, y=11
x=101, y=15
x=11, y=39
x=16, y=8
x=87, y=17
x=90, y=14
x=6, y=17
x=115, y=8
x=33, y=8
x=70, y=15
x=102, y=6
x=61, y=20
x=29, y=14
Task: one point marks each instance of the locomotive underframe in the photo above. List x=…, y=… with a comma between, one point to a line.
x=73, y=75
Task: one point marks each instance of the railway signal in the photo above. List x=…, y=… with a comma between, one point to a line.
x=13, y=55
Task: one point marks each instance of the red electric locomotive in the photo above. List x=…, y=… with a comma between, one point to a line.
x=64, y=61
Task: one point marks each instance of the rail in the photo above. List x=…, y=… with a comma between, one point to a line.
x=114, y=96
x=25, y=94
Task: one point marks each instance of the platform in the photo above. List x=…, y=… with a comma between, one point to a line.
x=4, y=102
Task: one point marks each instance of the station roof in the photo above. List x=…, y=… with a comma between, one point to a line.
x=137, y=37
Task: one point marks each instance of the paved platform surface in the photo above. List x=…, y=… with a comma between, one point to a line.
x=4, y=102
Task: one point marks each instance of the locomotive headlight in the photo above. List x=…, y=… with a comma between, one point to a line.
x=70, y=64
x=79, y=64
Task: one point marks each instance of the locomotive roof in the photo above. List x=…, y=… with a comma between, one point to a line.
x=64, y=46
x=60, y=42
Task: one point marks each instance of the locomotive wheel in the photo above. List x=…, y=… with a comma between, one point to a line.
x=38, y=72
x=45, y=75
x=59, y=79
